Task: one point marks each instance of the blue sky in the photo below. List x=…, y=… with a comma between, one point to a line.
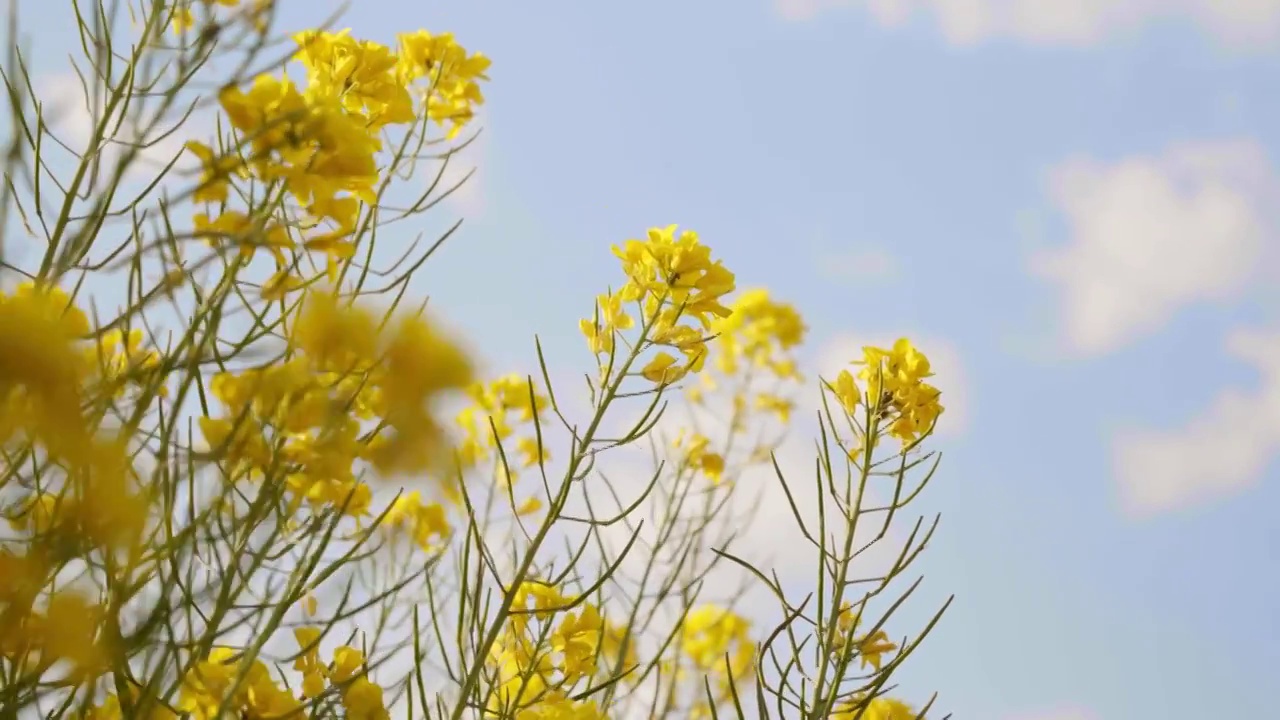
x=1075, y=206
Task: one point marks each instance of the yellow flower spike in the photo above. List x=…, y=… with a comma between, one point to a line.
x=675, y=270
x=896, y=388
x=577, y=640
x=362, y=72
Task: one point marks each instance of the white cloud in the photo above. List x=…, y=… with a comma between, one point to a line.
x=1249, y=23
x=838, y=352
x=1152, y=235
x=468, y=199
x=859, y=265
x=1223, y=451
x=72, y=120
x=766, y=533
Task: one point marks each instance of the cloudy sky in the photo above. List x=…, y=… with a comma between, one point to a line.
x=1072, y=204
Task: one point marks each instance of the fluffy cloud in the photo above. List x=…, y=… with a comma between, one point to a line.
x=1151, y=235
x=761, y=519
x=467, y=196
x=1223, y=451
x=837, y=352
x=72, y=120
x=858, y=265
x=1060, y=22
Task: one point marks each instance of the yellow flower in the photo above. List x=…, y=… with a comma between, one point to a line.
x=612, y=643
x=110, y=514
x=761, y=332
x=452, y=74
x=38, y=357
x=878, y=708
x=531, y=452
x=363, y=700
x=207, y=683
x=245, y=233
x=426, y=523
x=780, y=406
x=38, y=514
x=712, y=634
x=546, y=598
x=146, y=708
x=577, y=639
x=698, y=456
x=677, y=270
x=347, y=661
x=335, y=336
x=419, y=364
x=69, y=632
x=872, y=647
x=663, y=370
x=362, y=72
x=530, y=506
x=216, y=171
x=846, y=390
x=314, y=671
x=183, y=19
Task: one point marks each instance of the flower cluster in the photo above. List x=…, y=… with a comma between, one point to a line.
x=67, y=630
x=755, y=369
x=541, y=664
x=319, y=143
x=895, y=389
x=55, y=390
x=346, y=368
x=761, y=331
x=346, y=675
x=673, y=281
x=719, y=644
x=698, y=454
x=427, y=523
x=758, y=340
